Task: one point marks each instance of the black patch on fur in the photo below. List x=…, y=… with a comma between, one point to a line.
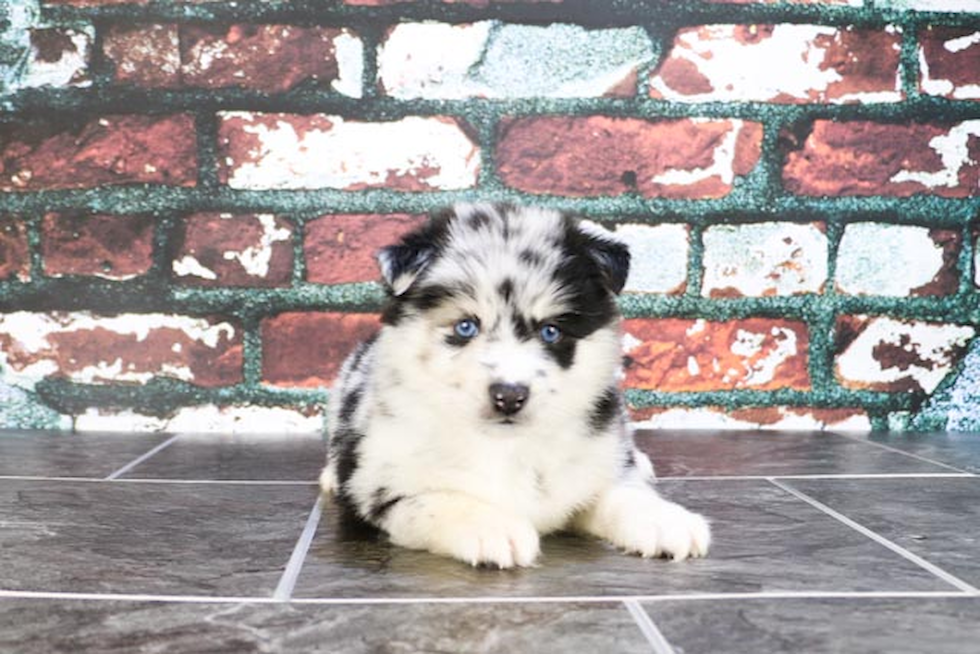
x=478, y=220
x=591, y=272
x=343, y=446
x=350, y=403
x=630, y=459
x=382, y=502
x=523, y=328
x=531, y=258
x=606, y=409
x=506, y=289
x=361, y=350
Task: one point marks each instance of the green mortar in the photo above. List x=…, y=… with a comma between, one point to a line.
x=757, y=196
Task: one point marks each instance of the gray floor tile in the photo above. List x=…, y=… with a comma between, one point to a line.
x=62, y=454
x=865, y=626
x=236, y=457
x=148, y=538
x=769, y=453
x=126, y=627
x=765, y=540
x=938, y=519
x=957, y=449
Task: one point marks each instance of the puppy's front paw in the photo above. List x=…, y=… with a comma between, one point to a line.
x=472, y=532
x=490, y=540
x=667, y=529
x=641, y=522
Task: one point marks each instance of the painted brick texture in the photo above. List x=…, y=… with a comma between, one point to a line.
x=192, y=196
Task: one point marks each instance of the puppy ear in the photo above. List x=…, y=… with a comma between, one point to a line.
x=401, y=264
x=611, y=254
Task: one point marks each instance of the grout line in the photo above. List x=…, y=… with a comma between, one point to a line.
x=650, y=631
x=231, y=482
x=881, y=540
x=586, y=599
x=140, y=459
x=141, y=480
x=857, y=475
x=912, y=455
x=284, y=590
x=300, y=482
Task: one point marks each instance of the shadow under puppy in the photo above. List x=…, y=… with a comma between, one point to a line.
x=487, y=411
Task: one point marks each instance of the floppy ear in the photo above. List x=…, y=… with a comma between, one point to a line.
x=403, y=262
x=611, y=254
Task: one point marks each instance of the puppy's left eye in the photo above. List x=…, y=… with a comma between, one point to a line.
x=466, y=328
x=550, y=334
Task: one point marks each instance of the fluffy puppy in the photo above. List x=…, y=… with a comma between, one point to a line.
x=487, y=411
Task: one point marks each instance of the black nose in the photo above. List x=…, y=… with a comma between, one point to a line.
x=508, y=399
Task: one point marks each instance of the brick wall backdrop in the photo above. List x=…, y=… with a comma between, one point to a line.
x=191, y=192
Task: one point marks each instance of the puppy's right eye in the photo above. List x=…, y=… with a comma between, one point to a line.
x=466, y=328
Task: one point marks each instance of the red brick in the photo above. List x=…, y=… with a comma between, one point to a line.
x=866, y=158
x=307, y=349
x=950, y=62
x=262, y=57
x=271, y=58
x=341, y=249
x=229, y=250
x=130, y=348
x=15, y=261
x=695, y=355
x=147, y=55
x=114, y=247
x=36, y=155
x=599, y=155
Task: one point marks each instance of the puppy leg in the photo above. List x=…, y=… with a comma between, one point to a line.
x=631, y=515
x=463, y=527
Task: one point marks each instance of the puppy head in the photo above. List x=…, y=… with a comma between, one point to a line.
x=505, y=314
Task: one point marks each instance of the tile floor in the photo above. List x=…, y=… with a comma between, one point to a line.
x=152, y=543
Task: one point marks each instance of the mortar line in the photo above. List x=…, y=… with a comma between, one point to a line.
x=287, y=582
x=649, y=629
x=140, y=459
x=932, y=568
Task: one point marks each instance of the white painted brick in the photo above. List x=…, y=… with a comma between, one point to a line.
x=71, y=69
x=890, y=260
x=764, y=259
x=271, y=422
x=494, y=60
x=658, y=262
x=951, y=6
x=299, y=152
x=775, y=418
x=721, y=63
x=890, y=354
x=30, y=349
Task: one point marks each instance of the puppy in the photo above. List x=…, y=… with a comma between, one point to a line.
x=487, y=411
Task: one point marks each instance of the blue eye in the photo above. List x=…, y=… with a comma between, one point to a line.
x=466, y=328
x=550, y=334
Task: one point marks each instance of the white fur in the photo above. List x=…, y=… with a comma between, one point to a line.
x=461, y=483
